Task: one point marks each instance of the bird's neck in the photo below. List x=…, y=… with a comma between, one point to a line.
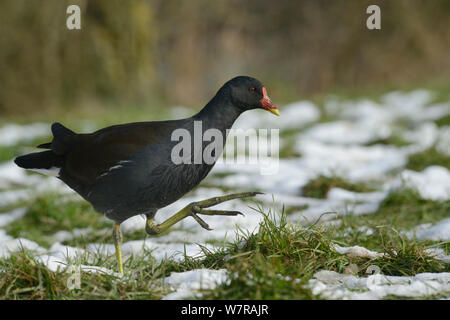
x=219, y=113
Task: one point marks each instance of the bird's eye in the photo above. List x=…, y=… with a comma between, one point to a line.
x=251, y=89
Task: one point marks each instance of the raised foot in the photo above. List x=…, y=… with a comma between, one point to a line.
x=199, y=207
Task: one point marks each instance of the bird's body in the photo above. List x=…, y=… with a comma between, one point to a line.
x=126, y=170
x=139, y=176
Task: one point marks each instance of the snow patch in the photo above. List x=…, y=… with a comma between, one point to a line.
x=187, y=284
x=7, y=218
x=437, y=232
x=432, y=183
x=13, y=133
x=333, y=285
x=357, y=252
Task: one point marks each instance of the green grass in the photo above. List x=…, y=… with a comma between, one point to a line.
x=444, y=121
x=274, y=263
x=50, y=213
x=403, y=209
x=8, y=153
x=29, y=279
x=395, y=140
x=422, y=160
x=319, y=187
x=278, y=261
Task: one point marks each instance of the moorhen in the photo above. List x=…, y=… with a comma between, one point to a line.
x=130, y=169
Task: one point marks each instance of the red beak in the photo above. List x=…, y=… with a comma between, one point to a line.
x=268, y=104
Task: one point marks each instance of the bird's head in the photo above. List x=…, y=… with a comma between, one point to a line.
x=249, y=93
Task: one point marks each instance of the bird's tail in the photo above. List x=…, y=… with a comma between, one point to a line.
x=49, y=162
x=45, y=162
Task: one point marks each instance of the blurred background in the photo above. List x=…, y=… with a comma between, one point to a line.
x=153, y=53
x=364, y=132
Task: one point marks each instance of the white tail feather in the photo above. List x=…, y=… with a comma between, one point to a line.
x=53, y=171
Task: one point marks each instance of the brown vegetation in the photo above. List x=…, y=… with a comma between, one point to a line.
x=136, y=51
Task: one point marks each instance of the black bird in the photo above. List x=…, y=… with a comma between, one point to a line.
x=129, y=169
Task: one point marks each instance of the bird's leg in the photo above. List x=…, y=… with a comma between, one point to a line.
x=195, y=208
x=117, y=235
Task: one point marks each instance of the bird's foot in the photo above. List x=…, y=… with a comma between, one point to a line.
x=198, y=207
x=152, y=228
x=194, y=209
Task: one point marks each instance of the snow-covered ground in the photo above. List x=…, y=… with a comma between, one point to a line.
x=333, y=285
x=343, y=147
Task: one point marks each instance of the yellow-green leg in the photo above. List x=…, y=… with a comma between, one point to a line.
x=195, y=208
x=117, y=235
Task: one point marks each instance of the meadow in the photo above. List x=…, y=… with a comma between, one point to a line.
x=359, y=209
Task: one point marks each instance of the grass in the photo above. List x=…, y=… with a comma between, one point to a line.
x=395, y=140
x=8, y=153
x=319, y=187
x=403, y=209
x=274, y=263
x=50, y=213
x=278, y=261
x=422, y=160
x=30, y=279
x=444, y=121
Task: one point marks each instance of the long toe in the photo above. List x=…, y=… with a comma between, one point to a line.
x=216, y=200
x=217, y=212
x=201, y=222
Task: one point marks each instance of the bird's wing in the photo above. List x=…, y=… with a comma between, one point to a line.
x=92, y=155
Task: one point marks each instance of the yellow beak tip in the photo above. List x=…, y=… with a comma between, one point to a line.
x=275, y=112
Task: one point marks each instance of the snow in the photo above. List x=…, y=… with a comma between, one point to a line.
x=7, y=218
x=31, y=184
x=432, y=183
x=341, y=202
x=356, y=163
x=335, y=148
x=443, y=141
x=415, y=105
x=187, y=284
x=10, y=245
x=57, y=258
x=345, y=132
x=159, y=251
x=11, y=174
x=56, y=264
x=65, y=235
x=333, y=285
x=357, y=252
x=437, y=232
x=439, y=254
x=14, y=196
x=12, y=134
x=422, y=137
